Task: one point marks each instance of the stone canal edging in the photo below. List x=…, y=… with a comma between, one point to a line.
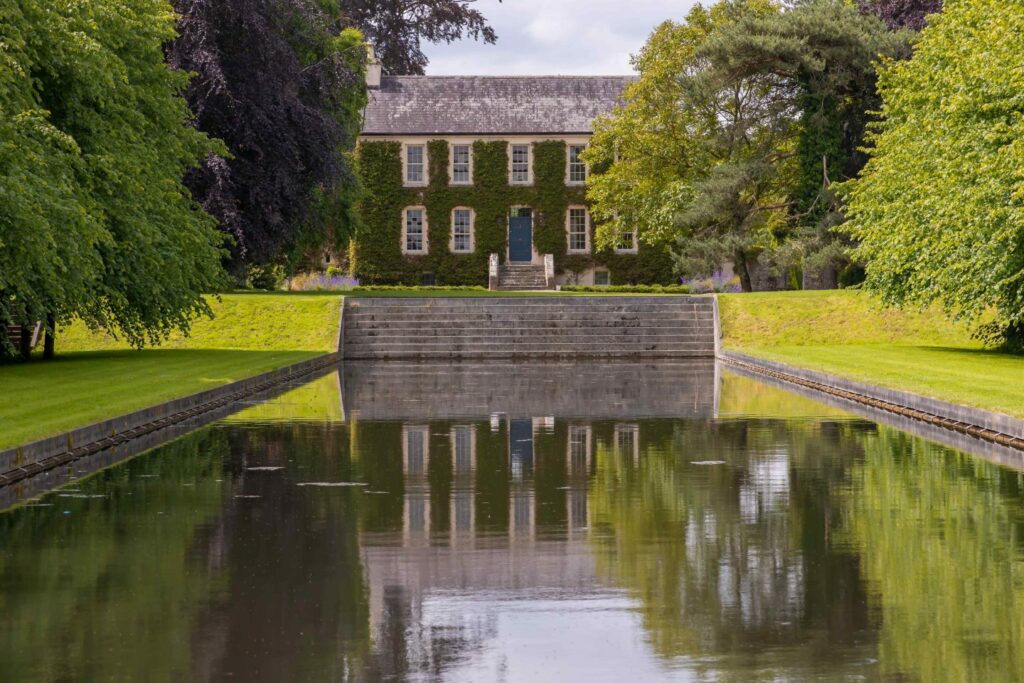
x=30, y=459
x=989, y=426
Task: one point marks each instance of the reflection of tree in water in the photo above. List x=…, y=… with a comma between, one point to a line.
x=940, y=537
x=733, y=558
x=294, y=604
x=110, y=590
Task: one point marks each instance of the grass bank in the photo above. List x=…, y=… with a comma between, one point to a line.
x=95, y=376
x=848, y=333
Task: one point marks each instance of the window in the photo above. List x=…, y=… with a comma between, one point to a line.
x=414, y=233
x=577, y=167
x=461, y=165
x=602, y=278
x=462, y=231
x=520, y=164
x=415, y=165
x=626, y=244
x=579, y=238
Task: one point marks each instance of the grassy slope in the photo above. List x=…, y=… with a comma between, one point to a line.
x=849, y=334
x=96, y=377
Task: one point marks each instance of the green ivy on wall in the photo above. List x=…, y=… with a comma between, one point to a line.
x=376, y=253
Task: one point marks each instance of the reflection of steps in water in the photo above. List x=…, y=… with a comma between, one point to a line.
x=608, y=390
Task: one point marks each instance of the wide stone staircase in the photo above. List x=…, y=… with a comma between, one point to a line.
x=521, y=277
x=541, y=327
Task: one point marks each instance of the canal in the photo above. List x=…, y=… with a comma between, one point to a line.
x=554, y=522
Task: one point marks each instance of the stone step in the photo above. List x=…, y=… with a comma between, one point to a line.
x=450, y=329
x=522, y=331
x=524, y=345
x=579, y=342
x=512, y=309
x=553, y=301
x=381, y=323
x=419, y=354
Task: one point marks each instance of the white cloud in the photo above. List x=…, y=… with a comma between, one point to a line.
x=537, y=37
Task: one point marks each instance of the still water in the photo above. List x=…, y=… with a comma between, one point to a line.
x=530, y=523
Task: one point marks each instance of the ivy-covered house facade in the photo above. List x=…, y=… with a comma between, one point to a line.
x=478, y=180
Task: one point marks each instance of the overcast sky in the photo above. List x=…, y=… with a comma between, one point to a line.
x=557, y=37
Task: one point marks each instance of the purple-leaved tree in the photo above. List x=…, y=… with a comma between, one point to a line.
x=909, y=14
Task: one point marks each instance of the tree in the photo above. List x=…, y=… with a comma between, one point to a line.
x=278, y=83
x=397, y=27
x=94, y=219
x=939, y=208
x=827, y=50
x=900, y=14
x=717, y=187
x=741, y=119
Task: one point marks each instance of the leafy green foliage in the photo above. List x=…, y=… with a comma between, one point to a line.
x=939, y=208
x=742, y=117
x=94, y=220
x=377, y=255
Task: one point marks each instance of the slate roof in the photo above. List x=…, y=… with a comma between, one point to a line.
x=490, y=105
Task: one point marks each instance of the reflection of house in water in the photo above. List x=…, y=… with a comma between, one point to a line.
x=532, y=551
x=497, y=461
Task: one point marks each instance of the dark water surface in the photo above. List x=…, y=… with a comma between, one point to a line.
x=524, y=523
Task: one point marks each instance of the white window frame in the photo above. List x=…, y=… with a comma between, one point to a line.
x=602, y=271
x=619, y=249
x=568, y=229
x=405, y=165
x=451, y=163
x=472, y=231
x=568, y=165
x=405, y=236
x=529, y=163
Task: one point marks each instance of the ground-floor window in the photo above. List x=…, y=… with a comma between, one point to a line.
x=414, y=231
x=579, y=237
x=626, y=243
x=602, y=278
x=462, y=231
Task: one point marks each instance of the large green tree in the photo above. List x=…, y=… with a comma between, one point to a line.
x=939, y=208
x=94, y=219
x=740, y=121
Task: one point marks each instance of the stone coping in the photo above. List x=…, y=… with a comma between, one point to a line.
x=983, y=424
x=29, y=459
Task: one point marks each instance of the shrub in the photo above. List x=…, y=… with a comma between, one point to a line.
x=321, y=282
x=266, y=277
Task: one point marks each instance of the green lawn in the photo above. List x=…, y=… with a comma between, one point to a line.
x=847, y=333
x=95, y=377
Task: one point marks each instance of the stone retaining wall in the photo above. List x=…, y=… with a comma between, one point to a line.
x=30, y=459
x=994, y=427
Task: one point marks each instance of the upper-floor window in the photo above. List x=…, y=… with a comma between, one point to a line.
x=414, y=231
x=520, y=165
x=577, y=167
x=415, y=165
x=462, y=164
x=579, y=235
x=462, y=231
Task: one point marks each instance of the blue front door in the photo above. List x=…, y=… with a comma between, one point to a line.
x=520, y=239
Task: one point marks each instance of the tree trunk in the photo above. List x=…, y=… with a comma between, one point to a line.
x=26, y=342
x=49, y=340
x=743, y=271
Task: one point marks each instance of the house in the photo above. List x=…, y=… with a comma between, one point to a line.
x=472, y=180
